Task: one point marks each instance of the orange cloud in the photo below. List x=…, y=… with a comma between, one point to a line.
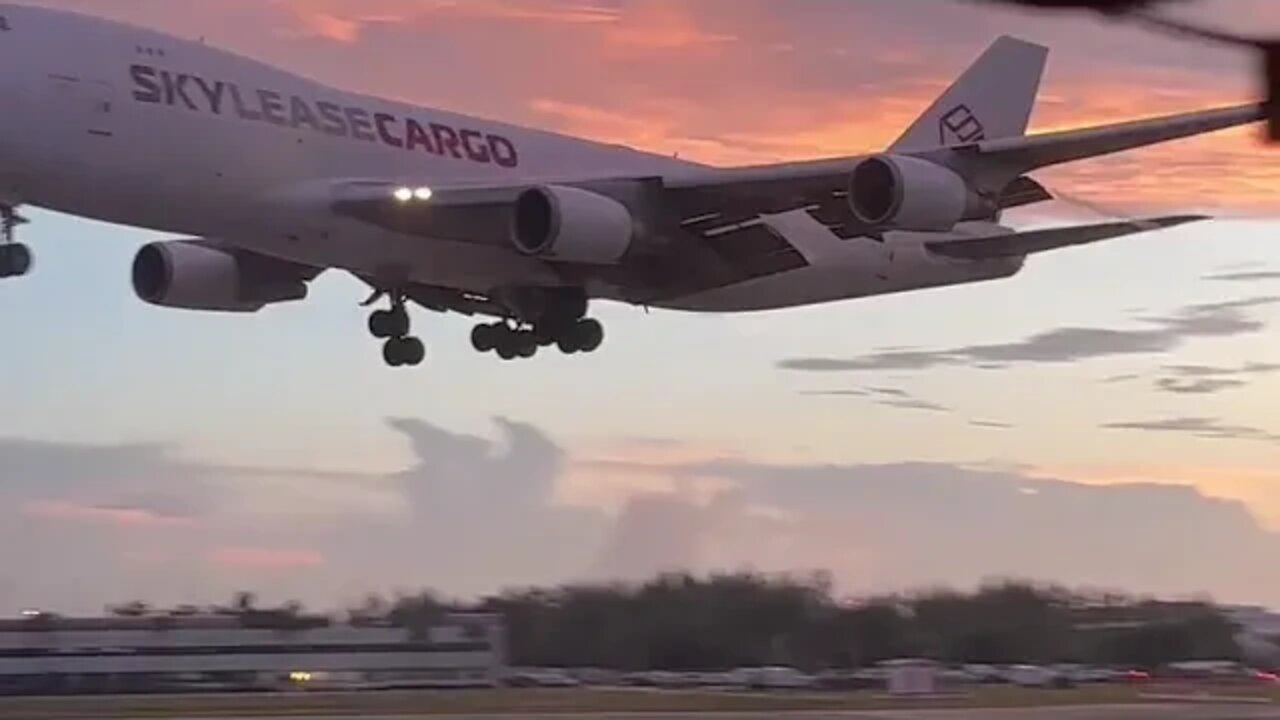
x=123, y=518
x=257, y=558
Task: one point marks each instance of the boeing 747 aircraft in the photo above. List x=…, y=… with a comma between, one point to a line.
x=267, y=179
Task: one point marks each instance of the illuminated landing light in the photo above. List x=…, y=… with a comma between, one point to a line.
x=403, y=194
x=422, y=193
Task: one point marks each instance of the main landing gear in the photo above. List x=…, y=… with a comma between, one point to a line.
x=514, y=341
x=400, y=349
x=534, y=319
x=538, y=318
x=15, y=258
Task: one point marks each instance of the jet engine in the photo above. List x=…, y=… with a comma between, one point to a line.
x=571, y=224
x=906, y=193
x=203, y=275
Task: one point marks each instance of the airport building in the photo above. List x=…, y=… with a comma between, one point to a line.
x=45, y=654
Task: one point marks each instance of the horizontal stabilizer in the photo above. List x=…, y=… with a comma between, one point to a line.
x=1036, y=241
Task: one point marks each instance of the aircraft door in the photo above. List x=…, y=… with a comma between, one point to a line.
x=84, y=111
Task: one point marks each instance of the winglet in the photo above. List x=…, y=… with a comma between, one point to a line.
x=992, y=99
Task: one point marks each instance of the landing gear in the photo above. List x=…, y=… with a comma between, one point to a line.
x=400, y=349
x=584, y=336
x=386, y=324
x=404, y=352
x=511, y=342
x=15, y=258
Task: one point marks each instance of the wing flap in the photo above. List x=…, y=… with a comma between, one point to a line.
x=1037, y=241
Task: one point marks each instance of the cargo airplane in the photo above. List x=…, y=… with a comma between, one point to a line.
x=266, y=179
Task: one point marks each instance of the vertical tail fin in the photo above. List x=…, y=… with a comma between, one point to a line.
x=992, y=99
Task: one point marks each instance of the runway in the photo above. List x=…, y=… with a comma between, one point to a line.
x=1173, y=711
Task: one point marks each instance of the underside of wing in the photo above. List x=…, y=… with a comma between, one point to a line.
x=693, y=238
x=1037, y=241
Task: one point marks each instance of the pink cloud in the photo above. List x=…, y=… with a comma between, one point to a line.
x=124, y=518
x=258, y=558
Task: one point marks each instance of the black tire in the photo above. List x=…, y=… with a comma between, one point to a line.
x=15, y=260
x=484, y=338
x=412, y=351
x=589, y=335
x=398, y=322
x=380, y=324
x=568, y=343
x=526, y=345
x=392, y=353
x=385, y=324
x=506, y=349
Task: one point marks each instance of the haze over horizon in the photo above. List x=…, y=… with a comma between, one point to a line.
x=1106, y=418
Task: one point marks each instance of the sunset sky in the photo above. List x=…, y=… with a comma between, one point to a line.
x=1108, y=417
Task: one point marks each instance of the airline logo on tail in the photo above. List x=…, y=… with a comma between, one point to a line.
x=960, y=126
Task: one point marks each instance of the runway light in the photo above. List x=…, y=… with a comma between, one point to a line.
x=403, y=194
x=422, y=193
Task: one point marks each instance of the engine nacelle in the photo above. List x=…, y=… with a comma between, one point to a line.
x=571, y=224
x=906, y=193
x=200, y=275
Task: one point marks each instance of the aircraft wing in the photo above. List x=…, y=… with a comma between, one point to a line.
x=702, y=198
x=990, y=165
x=709, y=227
x=1035, y=241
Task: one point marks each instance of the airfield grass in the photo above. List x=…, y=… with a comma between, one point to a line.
x=543, y=701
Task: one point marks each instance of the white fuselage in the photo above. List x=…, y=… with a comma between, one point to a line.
x=130, y=126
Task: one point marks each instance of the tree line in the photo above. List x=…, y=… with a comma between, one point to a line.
x=679, y=621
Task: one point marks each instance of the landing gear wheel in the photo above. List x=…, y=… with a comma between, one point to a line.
x=526, y=345
x=415, y=353
x=589, y=334
x=385, y=324
x=404, y=352
x=485, y=338
x=15, y=260
x=584, y=336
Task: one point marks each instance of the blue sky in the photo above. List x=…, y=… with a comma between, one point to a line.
x=276, y=452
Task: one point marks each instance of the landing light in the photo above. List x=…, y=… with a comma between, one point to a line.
x=422, y=193
x=404, y=194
